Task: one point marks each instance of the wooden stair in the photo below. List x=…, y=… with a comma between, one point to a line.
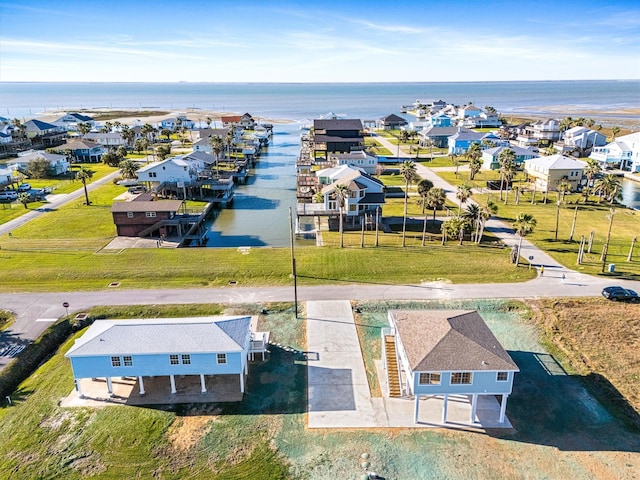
x=392, y=366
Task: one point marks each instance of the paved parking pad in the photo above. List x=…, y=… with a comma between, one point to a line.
x=338, y=390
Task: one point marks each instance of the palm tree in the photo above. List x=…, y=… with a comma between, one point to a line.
x=615, y=131
x=208, y=120
x=591, y=169
x=83, y=128
x=24, y=198
x=455, y=226
x=229, y=139
x=524, y=225
x=563, y=188
x=486, y=213
x=507, y=162
x=424, y=186
x=127, y=134
x=609, y=187
x=318, y=197
x=549, y=150
x=217, y=147
x=166, y=132
x=463, y=194
x=436, y=198
x=472, y=215
x=128, y=168
x=83, y=175
x=409, y=172
x=341, y=193
x=565, y=123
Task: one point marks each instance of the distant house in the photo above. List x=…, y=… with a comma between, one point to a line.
x=548, y=172
x=109, y=140
x=490, y=156
x=391, y=122
x=83, y=151
x=71, y=120
x=469, y=111
x=336, y=136
x=169, y=170
x=6, y=177
x=360, y=159
x=438, y=136
x=484, y=120
x=366, y=194
x=247, y=122
x=169, y=348
x=58, y=164
x=447, y=353
x=5, y=138
x=439, y=119
x=460, y=141
x=623, y=153
x=173, y=122
x=135, y=217
x=540, y=131
x=580, y=141
x=44, y=133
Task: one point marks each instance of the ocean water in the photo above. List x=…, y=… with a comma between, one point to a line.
x=301, y=101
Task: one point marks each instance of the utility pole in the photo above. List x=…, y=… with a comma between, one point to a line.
x=293, y=265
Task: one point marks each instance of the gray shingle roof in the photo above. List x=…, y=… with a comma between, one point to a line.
x=163, y=335
x=450, y=340
x=338, y=124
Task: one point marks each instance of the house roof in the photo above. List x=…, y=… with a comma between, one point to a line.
x=28, y=156
x=468, y=135
x=77, y=116
x=96, y=135
x=147, y=206
x=393, y=118
x=231, y=119
x=77, y=144
x=200, y=156
x=556, y=162
x=449, y=340
x=163, y=336
x=40, y=125
x=350, y=178
x=442, y=131
x=338, y=124
x=320, y=137
x=152, y=166
x=495, y=151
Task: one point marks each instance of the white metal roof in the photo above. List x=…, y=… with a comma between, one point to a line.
x=163, y=335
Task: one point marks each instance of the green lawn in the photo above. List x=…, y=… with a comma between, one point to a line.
x=591, y=217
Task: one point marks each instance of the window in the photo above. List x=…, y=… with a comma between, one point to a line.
x=222, y=358
x=129, y=214
x=128, y=360
x=429, y=378
x=461, y=378
x=502, y=376
x=151, y=214
x=173, y=359
x=115, y=362
x=153, y=174
x=352, y=208
x=352, y=194
x=186, y=359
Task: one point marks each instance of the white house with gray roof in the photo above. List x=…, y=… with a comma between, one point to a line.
x=445, y=353
x=550, y=171
x=162, y=347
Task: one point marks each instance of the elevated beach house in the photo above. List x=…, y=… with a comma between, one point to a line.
x=58, y=164
x=145, y=216
x=83, y=151
x=335, y=136
x=549, y=172
x=391, y=122
x=623, y=153
x=44, y=133
x=447, y=354
x=168, y=349
x=490, y=156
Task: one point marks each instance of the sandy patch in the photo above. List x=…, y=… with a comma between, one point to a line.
x=188, y=430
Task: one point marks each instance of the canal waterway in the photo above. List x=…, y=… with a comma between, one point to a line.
x=259, y=214
x=631, y=193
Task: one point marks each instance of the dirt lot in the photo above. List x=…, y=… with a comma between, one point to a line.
x=601, y=341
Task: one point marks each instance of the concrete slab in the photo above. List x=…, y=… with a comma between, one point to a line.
x=126, y=391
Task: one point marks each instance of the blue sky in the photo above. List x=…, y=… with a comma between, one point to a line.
x=337, y=41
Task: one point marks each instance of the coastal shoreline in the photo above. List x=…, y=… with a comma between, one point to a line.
x=627, y=118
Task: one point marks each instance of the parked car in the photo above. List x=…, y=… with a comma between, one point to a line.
x=24, y=187
x=8, y=195
x=137, y=189
x=616, y=293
